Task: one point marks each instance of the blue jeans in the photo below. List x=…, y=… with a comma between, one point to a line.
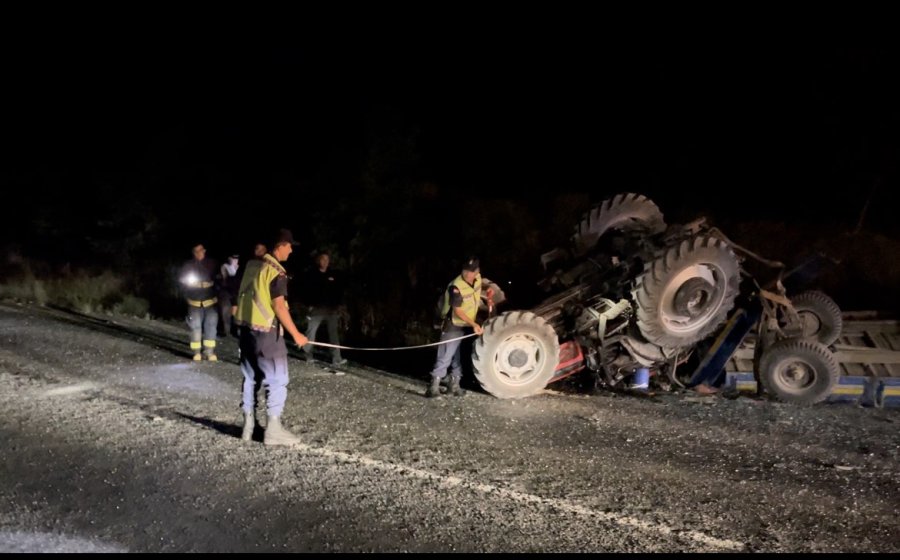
x=272, y=373
x=332, y=321
x=448, y=355
x=203, y=321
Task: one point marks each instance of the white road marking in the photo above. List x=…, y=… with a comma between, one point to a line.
x=522, y=497
x=71, y=389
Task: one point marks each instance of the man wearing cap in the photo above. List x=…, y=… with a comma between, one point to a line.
x=263, y=316
x=459, y=309
x=197, y=278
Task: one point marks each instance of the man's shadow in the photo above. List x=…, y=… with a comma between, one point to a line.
x=221, y=427
x=468, y=381
x=231, y=429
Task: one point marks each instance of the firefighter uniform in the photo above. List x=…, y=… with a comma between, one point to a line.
x=198, y=285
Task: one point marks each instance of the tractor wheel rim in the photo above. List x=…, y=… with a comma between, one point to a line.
x=520, y=358
x=811, y=323
x=703, y=304
x=795, y=375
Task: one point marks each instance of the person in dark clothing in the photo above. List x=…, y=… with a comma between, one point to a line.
x=229, y=283
x=323, y=293
x=197, y=278
x=259, y=250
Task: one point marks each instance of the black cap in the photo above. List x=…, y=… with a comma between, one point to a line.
x=471, y=264
x=284, y=236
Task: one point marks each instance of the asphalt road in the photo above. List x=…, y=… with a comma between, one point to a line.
x=113, y=440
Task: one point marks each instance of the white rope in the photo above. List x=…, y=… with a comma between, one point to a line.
x=327, y=345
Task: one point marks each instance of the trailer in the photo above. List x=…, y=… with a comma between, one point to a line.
x=867, y=352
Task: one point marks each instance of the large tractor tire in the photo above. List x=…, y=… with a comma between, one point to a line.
x=798, y=371
x=684, y=295
x=820, y=317
x=516, y=356
x=625, y=212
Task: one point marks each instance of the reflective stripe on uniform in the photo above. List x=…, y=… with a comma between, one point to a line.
x=261, y=307
x=204, y=303
x=195, y=345
x=209, y=344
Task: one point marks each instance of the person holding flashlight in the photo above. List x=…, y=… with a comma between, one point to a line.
x=197, y=280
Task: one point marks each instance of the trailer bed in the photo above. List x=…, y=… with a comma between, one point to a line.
x=868, y=353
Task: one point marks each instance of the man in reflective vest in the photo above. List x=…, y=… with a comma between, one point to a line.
x=263, y=316
x=459, y=309
x=197, y=278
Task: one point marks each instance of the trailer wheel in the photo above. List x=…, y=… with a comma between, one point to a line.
x=798, y=371
x=685, y=294
x=820, y=317
x=516, y=356
x=627, y=211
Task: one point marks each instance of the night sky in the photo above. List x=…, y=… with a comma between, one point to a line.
x=746, y=131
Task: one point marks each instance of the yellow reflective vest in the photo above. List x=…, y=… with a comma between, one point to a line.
x=471, y=297
x=255, y=308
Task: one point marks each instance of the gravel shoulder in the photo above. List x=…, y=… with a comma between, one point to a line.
x=115, y=441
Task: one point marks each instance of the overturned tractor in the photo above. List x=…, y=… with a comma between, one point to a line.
x=631, y=292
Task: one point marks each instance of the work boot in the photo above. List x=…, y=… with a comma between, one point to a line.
x=276, y=434
x=212, y=358
x=249, y=424
x=434, y=390
x=198, y=357
x=454, y=388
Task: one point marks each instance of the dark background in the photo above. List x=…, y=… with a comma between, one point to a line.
x=406, y=153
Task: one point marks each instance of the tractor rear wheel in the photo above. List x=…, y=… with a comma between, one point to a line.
x=684, y=295
x=624, y=212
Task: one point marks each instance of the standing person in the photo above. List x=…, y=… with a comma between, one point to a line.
x=459, y=309
x=260, y=250
x=229, y=283
x=323, y=293
x=197, y=278
x=263, y=316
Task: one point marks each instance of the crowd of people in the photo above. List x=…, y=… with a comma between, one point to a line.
x=251, y=304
